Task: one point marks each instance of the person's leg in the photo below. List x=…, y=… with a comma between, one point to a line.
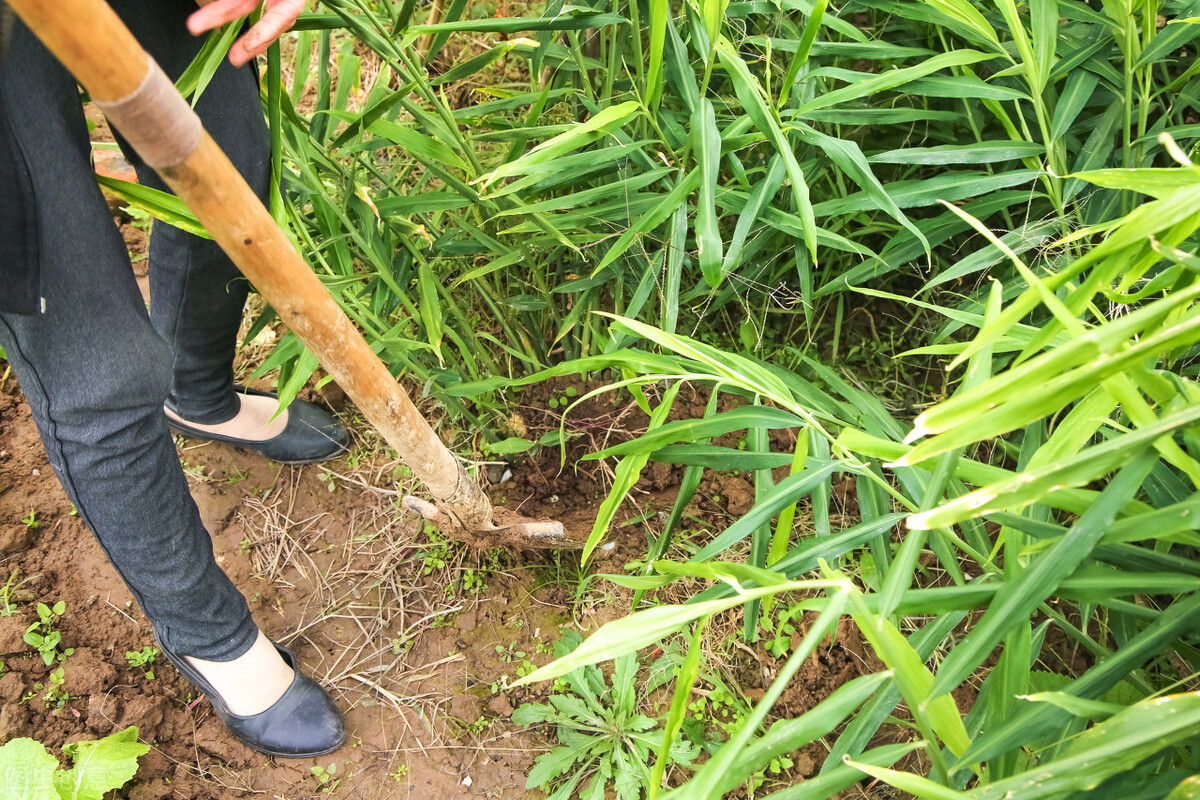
x=196, y=292
x=96, y=373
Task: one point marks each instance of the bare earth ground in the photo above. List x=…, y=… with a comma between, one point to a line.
x=339, y=576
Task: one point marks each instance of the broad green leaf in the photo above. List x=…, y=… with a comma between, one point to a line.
x=981, y=153
x=100, y=766
x=1158, y=182
x=1077, y=470
x=643, y=628
x=418, y=144
x=853, y=163
x=1077, y=706
x=685, y=681
x=787, y=492
x=812, y=27
x=1080, y=85
x=596, y=128
x=627, y=474
x=892, y=79
x=963, y=12
x=1112, y=746
x=722, y=458
x=1188, y=789
x=670, y=203
x=756, y=105
x=691, y=430
x=706, y=142
x=935, y=713
x=908, y=782
x=158, y=204
x=26, y=771
x=1034, y=720
x=513, y=444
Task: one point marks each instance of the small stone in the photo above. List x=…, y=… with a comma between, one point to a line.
x=499, y=705
x=14, y=722
x=86, y=672
x=102, y=712
x=16, y=538
x=11, y=687
x=37, y=473
x=12, y=634
x=152, y=790
x=466, y=707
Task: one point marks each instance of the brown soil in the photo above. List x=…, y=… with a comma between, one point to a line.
x=337, y=575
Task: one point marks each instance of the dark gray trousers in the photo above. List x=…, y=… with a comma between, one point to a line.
x=96, y=369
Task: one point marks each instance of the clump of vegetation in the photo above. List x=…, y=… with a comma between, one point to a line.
x=42, y=635
x=28, y=771
x=605, y=739
x=943, y=249
x=142, y=659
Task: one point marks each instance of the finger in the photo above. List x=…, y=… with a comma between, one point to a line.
x=217, y=13
x=278, y=18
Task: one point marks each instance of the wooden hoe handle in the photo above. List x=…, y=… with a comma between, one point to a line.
x=92, y=42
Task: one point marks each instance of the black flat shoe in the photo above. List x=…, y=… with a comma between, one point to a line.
x=304, y=722
x=311, y=434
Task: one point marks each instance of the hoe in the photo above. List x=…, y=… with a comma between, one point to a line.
x=140, y=100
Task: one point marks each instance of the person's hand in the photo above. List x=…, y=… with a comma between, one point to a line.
x=277, y=18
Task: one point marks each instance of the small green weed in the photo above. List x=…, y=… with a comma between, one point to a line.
x=142, y=659
x=31, y=521
x=236, y=475
x=472, y=581
x=777, y=630
x=56, y=696
x=7, y=606
x=42, y=636
x=720, y=709
x=563, y=397
x=435, y=556
x=326, y=778
x=509, y=653
x=138, y=217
